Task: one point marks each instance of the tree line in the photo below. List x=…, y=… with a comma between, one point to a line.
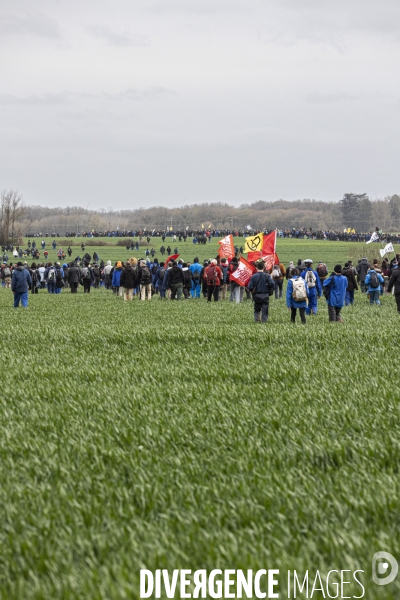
x=356, y=211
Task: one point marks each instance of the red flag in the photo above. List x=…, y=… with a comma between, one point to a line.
x=171, y=258
x=243, y=273
x=226, y=249
x=267, y=254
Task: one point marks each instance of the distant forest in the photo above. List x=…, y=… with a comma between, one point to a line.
x=353, y=210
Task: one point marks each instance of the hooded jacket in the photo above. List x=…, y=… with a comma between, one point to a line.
x=20, y=280
x=362, y=269
x=128, y=277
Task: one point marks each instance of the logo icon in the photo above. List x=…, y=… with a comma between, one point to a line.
x=380, y=566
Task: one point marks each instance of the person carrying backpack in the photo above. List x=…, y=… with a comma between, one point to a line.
x=187, y=280
x=213, y=277
x=159, y=278
x=296, y=296
x=144, y=279
x=278, y=273
x=262, y=286
x=35, y=276
x=351, y=284
x=335, y=287
x=313, y=282
x=6, y=275
x=50, y=277
x=373, y=283
x=87, y=277
x=322, y=271
x=96, y=276
x=195, y=270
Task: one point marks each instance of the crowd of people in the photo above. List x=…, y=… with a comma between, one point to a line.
x=203, y=235
x=213, y=280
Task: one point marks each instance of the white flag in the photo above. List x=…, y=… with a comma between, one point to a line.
x=374, y=238
x=386, y=249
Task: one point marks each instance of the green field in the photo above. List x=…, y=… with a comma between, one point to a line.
x=184, y=435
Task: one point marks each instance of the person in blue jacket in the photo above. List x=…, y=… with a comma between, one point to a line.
x=313, y=282
x=293, y=304
x=195, y=268
x=116, y=278
x=336, y=286
x=374, y=292
x=20, y=281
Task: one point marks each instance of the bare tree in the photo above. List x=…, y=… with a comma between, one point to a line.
x=11, y=212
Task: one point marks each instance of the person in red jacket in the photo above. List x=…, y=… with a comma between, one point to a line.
x=213, y=277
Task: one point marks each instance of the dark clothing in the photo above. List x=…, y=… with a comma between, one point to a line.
x=128, y=278
x=262, y=287
x=261, y=283
x=213, y=291
x=74, y=275
x=334, y=313
x=351, y=280
x=261, y=305
x=175, y=275
x=362, y=269
x=302, y=312
x=394, y=282
x=20, y=280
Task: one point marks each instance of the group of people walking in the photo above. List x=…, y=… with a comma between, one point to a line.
x=213, y=280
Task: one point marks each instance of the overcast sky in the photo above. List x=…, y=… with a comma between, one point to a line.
x=167, y=102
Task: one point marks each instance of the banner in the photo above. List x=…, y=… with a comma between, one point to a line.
x=171, y=259
x=388, y=248
x=374, y=238
x=226, y=248
x=267, y=254
x=243, y=273
x=254, y=243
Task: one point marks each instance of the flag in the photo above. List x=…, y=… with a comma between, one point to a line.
x=388, y=248
x=267, y=253
x=374, y=238
x=202, y=226
x=187, y=227
x=243, y=273
x=170, y=259
x=253, y=243
x=226, y=248
x=209, y=227
x=248, y=227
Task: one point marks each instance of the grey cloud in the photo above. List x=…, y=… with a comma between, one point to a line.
x=35, y=100
x=120, y=39
x=36, y=24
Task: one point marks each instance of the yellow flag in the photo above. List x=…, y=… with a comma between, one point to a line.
x=209, y=227
x=202, y=226
x=253, y=243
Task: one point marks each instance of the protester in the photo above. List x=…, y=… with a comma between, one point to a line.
x=86, y=277
x=373, y=282
x=20, y=282
x=296, y=296
x=128, y=281
x=175, y=281
x=144, y=280
x=74, y=276
x=362, y=270
x=262, y=286
x=394, y=282
x=313, y=282
x=335, y=287
x=213, y=275
x=348, y=272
